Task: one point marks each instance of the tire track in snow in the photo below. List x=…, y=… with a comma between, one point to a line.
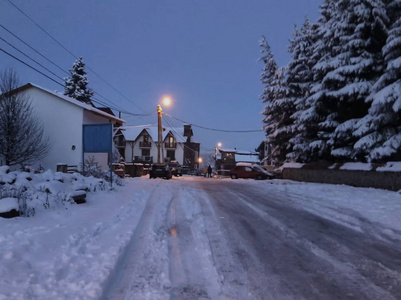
x=231, y=276
x=142, y=270
x=193, y=274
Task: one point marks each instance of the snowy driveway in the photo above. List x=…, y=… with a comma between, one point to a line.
x=200, y=238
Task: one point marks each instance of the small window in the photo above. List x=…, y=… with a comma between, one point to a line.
x=145, y=152
x=146, y=138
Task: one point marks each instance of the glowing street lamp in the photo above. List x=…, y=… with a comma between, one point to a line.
x=166, y=101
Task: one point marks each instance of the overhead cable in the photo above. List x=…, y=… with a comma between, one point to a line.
x=73, y=55
x=213, y=129
x=27, y=56
x=29, y=66
x=25, y=43
x=60, y=78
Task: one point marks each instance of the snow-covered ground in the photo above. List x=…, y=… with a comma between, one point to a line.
x=72, y=252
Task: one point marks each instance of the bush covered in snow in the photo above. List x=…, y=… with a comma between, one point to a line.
x=92, y=168
x=48, y=190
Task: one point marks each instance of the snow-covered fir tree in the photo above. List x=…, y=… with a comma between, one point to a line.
x=380, y=130
x=76, y=85
x=299, y=80
x=313, y=145
x=278, y=110
x=269, y=69
x=352, y=35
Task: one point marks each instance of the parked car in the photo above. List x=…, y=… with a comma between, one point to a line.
x=250, y=171
x=160, y=170
x=175, y=168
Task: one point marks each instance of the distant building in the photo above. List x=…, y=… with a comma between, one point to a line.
x=225, y=159
x=141, y=145
x=264, y=151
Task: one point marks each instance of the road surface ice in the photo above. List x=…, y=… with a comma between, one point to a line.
x=201, y=238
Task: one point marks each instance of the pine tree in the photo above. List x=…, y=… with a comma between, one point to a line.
x=76, y=84
x=278, y=109
x=313, y=116
x=380, y=130
x=299, y=80
x=269, y=69
x=352, y=35
x=360, y=65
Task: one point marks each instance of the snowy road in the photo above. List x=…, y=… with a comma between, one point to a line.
x=204, y=238
x=201, y=238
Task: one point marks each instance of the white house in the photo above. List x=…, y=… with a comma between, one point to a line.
x=63, y=118
x=141, y=145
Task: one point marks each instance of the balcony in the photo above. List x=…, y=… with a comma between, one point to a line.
x=168, y=145
x=146, y=145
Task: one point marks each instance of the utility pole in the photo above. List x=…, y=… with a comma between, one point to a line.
x=160, y=156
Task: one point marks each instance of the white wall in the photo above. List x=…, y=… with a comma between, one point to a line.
x=62, y=123
x=179, y=153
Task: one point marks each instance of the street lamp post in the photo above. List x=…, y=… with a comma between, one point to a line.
x=160, y=156
x=215, y=150
x=160, y=149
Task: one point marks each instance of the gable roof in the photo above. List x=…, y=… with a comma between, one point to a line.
x=131, y=133
x=71, y=100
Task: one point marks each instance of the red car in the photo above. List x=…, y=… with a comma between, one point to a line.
x=250, y=171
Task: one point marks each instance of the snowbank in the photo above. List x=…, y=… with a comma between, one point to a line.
x=29, y=193
x=8, y=204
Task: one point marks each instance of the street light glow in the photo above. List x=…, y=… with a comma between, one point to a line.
x=166, y=101
x=219, y=145
x=200, y=159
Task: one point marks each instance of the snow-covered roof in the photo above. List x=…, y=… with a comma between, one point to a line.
x=72, y=101
x=252, y=158
x=131, y=133
x=238, y=152
x=227, y=150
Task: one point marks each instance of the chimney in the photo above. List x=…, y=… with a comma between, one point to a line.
x=188, y=132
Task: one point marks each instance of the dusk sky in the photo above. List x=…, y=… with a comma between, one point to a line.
x=202, y=53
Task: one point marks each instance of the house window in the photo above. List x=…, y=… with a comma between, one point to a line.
x=171, y=154
x=145, y=152
x=145, y=138
x=171, y=140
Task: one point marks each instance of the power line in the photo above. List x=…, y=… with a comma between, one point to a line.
x=93, y=99
x=126, y=112
x=27, y=56
x=214, y=129
x=178, y=134
x=29, y=66
x=73, y=55
x=22, y=41
x=36, y=70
